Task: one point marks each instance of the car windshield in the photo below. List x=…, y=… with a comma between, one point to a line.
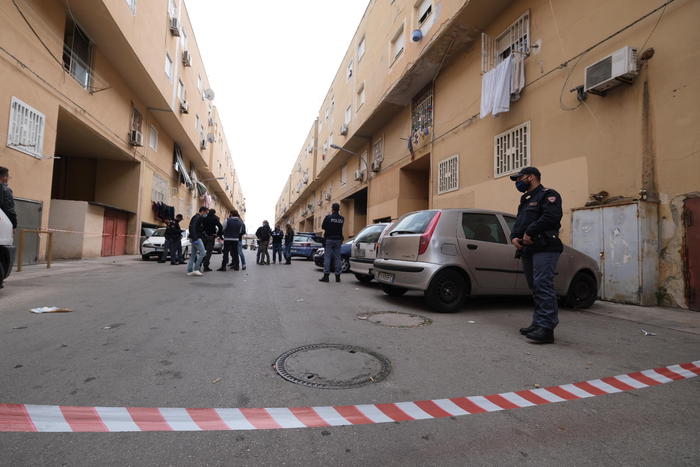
x=302, y=239
x=370, y=234
x=414, y=223
x=159, y=233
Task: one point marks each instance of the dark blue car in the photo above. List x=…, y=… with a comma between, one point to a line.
x=345, y=250
x=305, y=246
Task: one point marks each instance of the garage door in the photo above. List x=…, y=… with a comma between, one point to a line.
x=114, y=233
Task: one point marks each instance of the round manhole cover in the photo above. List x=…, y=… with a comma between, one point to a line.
x=332, y=366
x=395, y=319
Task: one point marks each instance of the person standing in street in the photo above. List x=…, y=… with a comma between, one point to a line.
x=7, y=198
x=173, y=241
x=263, y=235
x=212, y=230
x=288, y=240
x=333, y=236
x=277, y=237
x=196, y=230
x=232, y=235
x=535, y=236
x=241, y=254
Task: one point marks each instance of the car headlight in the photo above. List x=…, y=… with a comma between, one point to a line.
x=320, y=251
x=148, y=245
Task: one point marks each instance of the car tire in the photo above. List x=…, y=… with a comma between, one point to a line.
x=145, y=257
x=446, y=292
x=393, y=291
x=583, y=291
x=364, y=278
x=344, y=264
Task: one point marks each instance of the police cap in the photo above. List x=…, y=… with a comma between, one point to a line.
x=526, y=171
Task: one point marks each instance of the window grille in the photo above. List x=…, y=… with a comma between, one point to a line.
x=423, y=11
x=422, y=117
x=511, y=150
x=153, y=141
x=515, y=39
x=136, y=120
x=344, y=175
x=26, y=130
x=379, y=150
x=160, y=189
x=77, y=54
x=448, y=174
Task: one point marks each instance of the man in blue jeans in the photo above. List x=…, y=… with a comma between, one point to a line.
x=196, y=230
x=333, y=235
x=536, y=239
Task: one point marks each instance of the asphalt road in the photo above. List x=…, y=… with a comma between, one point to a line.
x=144, y=334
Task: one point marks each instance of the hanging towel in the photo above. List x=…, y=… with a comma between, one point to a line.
x=518, y=77
x=502, y=85
x=487, y=93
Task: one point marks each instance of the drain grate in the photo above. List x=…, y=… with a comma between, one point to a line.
x=395, y=319
x=332, y=366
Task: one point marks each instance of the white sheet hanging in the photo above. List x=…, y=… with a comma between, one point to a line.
x=487, y=93
x=518, y=77
x=502, y=85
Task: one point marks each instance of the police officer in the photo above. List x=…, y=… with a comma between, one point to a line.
x=333, y=235
x=536, y=238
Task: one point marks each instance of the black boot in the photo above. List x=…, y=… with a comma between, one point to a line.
x=542, y=335
x=527, y=330
x=337, y=277
x=222, y=268
x=324, y=278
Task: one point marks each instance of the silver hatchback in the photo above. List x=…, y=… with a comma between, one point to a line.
x=451, y=254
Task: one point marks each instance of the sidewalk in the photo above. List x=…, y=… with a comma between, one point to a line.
x=669, y=318
x=34, y=271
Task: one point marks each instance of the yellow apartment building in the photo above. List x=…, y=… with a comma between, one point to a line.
x=110, y=122
x=436, y=102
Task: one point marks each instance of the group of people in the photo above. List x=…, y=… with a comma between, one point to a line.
x=281, y=243
x=205, y=227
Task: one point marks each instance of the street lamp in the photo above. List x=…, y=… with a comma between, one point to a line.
x=335, y=146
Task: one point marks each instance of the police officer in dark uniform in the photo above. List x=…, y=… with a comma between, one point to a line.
x=536, y=238
x=333, y=235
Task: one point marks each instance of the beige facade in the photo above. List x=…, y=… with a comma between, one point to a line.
x=638, y=143
x=109, y=89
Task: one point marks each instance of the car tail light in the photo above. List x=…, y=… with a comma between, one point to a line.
x=428, y=234
x=306, y=244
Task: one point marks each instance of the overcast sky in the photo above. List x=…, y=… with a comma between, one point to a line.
x=270, y=69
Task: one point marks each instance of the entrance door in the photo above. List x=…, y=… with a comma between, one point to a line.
x=114, y=233
x=691, y=216
x=28, y=217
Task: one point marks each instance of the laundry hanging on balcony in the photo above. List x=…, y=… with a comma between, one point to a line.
x=202, y=191
x=501, y=85
x=180, y=168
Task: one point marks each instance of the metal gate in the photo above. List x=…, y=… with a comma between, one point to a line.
x=114, y=233
x=28, y=217
x=691, y=217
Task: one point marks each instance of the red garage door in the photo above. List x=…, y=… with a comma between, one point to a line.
x=114, y=233
x=692, y=251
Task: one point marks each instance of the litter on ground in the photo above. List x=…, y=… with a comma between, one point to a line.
x=50, y=309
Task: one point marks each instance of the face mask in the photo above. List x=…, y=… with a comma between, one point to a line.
x=522, y=185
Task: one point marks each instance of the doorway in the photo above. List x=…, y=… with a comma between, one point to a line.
x=691, y=218
x=114, y=233
x=414, y=186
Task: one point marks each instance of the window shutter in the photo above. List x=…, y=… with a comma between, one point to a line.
x=26, y=130
x=448, y=174
x=511, y=150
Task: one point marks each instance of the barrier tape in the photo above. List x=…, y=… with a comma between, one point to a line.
x=54, y=418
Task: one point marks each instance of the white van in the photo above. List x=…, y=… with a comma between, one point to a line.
x=7, y=250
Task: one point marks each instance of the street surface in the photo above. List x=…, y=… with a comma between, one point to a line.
x=144, y=334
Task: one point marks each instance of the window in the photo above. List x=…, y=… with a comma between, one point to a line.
x=181, y=90
x=348, y=115
x=172, y=8
x=423, y=10
x=132, y=6
x=153, y=138
x=422, y=116
x=344, y=175
x=510, y=222
x=199, y=85
x=362, y=165
x=136, y=120
x=482, y=228
x=349, y=72
x=361, y=49
x=26, y=130
x=397, y=44
x=370, y=234
x=448, y=174
x=511, y=151
x=160, y=189
x=379, y=150
x=416, y=223
x=515, y=39
x=77, y=54
x=168, y=66
x=361, y=95
x=196, y=122
x=183, y=39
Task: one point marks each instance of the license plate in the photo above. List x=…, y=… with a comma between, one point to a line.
x=387, y=277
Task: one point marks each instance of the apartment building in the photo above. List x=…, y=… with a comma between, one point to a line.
x=602, y=97
x=111, y=123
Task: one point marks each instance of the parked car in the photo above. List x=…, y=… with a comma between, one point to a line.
x=316, y=237
x=145, y=233
x=304, y=246
x=7, y=249
x=451, y=254
x=153, y=246
x=364, y=251
x=345, y=250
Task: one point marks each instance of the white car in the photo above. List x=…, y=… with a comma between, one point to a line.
x=7, y=250
x=153, y=246
x=364, y=251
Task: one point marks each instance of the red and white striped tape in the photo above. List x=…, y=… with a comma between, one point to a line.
x=54, y=418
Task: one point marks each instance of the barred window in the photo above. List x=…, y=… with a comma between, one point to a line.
x=422, y=117
x=160, y=190
x=448, y=174
x=379, y=150
x=26, y=130
x=511, y=150
x=515, y=39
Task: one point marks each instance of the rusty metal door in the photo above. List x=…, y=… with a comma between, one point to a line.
x=621, y=266
x=691, y=217
x=28, y=217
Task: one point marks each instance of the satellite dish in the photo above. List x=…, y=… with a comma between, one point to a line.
x=209, y=94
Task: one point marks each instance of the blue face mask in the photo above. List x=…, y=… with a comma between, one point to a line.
x=522, y=186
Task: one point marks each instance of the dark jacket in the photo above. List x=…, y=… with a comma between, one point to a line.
x=539, y=216
x=333, y=226
x=196, y=227
x=263, y=233
x=7, y=204
x=289, y=237
x=212, y=226
x=277, y=236
x=234, y=229
x=173, y=230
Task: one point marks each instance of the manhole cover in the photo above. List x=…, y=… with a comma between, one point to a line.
x=332, y=366
x=395, y=319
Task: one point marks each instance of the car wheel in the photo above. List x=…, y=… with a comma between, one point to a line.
x=364, y=278
x=446, y=292
x=344, y=265
x=583, y=291
x=145, y=257
x=393, y=291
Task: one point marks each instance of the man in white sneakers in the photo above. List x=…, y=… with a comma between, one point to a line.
x=196, y=232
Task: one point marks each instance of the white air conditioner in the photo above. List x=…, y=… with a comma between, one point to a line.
x=184, y=107
x=344, y=130
x=359, y=175
x=186, y=58
x=135, y=138
x=376, y=165
x=617, y=68
x=175, y=27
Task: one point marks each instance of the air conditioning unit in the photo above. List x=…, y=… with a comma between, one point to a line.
x=135, y=138
x=175, y=27
x=615, y=69
x=186, y=58
x=376, y=165
x=344, y=129
x=184, y=107
x=359, y=175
